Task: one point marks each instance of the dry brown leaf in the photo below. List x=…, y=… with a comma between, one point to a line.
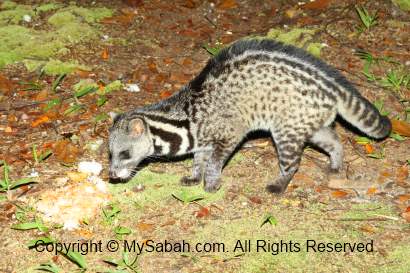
x=292, y=12
x=40, y=120
x=406, y=216
x=65, y=151
x=402, y=173
x=6, y=86
x=227, y=4
x=403, y=198
x=401, y=127
x=77, y=176
x=42, y=95
x=165, y=94
x=123, y=19
x=152, y=66
x=371, y=191
x=368, y=228
x=105, y=55
x=134, y=3
x=255, y=199
x=339, y=194
x=190, y=4
x=316, y=5
x=142, y=226
x=369, y=148
x=203, y=212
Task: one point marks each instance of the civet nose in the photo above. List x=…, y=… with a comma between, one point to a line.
x=113, y=174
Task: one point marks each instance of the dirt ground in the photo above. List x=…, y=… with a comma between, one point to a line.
x=159, y=46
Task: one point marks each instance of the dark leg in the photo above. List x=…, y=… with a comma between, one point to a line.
x=213, y=169
x=327, y=140
x=289, y=153
x=200, y=160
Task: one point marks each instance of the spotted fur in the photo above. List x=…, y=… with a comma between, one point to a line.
x=250, y=85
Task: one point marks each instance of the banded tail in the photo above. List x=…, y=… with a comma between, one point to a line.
x=359, y=112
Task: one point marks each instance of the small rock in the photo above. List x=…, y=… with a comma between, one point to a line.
x=132, y=87
x=27, y=18
x=90, y=167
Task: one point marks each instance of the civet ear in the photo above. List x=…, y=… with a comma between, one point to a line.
x=136, y=127
x=113, y=115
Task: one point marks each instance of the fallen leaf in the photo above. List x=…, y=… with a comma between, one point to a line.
x=401, y=127
x=316, y=5
x=187, y=62
x=406, y=216
x=203, y=212
x=42, y=95
x=65, y=151
x=369, y=148
x=402, y=173
x=169, y=223
x=255, y=199
x=165, y=94
x=6, y=86
x=42, y=119
x=77, y=176
x=105, y=54
x=134, y=3
x=408, y=209
x=339, y=194
x=227, y=4
x=368, y=228
x=84, y=233
x=403, y=198
x=292, y=12
x=190, y=4
x=84, y=74
x=338, y=183
x=152, y=66
x=371, y=191
x=142, y=226
x=126, y=18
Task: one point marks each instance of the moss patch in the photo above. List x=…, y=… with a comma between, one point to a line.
x=397, y=261
x=13, y=13
x=159, y=188
x=69, y=26
x=273, y=258
x=402, y=4
x=299, y=37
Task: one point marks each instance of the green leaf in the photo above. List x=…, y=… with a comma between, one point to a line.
x=21, y=182
x=45, y=155
x=101, y=117
x=269, y=219
x=184, y=197
x=212, y=50
x=58, y=81
x=122, y=230
x=52, y=103
x=84, y=91
x=43, y=240
x=26, y=226
x=362, y=140
x=77, y=258
x=101, y=100
x=73, y=109
x=397, y=137
x=49, y=267
x=35, y=153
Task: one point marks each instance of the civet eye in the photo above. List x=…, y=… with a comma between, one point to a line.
x=124, y=155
